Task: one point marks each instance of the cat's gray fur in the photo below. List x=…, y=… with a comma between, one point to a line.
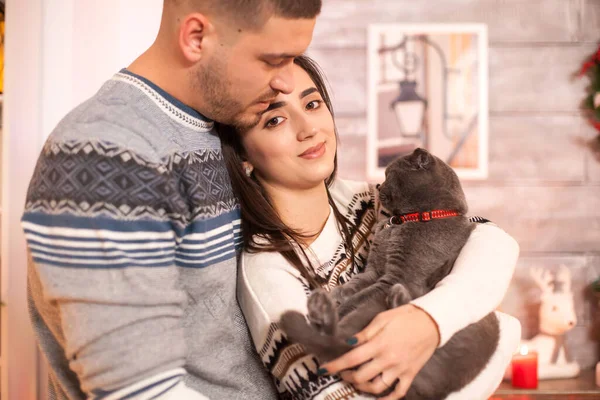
x=405, y=262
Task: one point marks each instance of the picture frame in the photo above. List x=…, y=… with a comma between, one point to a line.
x=428, y=87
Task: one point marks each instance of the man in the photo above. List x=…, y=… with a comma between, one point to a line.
x=130, y=219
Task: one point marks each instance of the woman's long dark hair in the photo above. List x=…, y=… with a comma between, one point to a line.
x=262, y=227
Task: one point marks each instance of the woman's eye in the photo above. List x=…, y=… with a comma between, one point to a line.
x=313, y=105
x=274, y=122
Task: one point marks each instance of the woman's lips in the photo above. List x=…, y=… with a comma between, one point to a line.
x=314, y=152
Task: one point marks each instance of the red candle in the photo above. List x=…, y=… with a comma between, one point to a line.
x=525, y=369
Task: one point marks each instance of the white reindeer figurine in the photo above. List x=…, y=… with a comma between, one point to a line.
x=557, y=316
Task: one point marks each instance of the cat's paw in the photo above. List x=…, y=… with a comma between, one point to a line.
x=398, y=296
x=337, y=295
x=322, y=312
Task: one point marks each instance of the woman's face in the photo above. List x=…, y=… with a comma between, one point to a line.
x=294, y=144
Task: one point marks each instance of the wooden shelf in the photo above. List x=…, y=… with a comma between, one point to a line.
x=584, y=387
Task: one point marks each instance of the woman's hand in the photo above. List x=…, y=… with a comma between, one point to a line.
x=394, y=346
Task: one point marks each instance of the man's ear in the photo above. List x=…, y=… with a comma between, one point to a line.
x=193, y=32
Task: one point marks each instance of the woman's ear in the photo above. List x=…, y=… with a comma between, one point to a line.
x=248, y=168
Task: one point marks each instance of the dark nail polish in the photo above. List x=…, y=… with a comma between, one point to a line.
x=321, y=371
x=352, y=341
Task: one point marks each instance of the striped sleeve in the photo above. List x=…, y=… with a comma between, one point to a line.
x=102, y=231
x=69, y=241
x=164, y=386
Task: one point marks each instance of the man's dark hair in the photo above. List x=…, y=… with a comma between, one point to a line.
x=291, y=8
x=254, y=13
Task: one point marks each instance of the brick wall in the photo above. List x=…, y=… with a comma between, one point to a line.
x=544, y=184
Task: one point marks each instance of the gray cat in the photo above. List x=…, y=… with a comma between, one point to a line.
x=407, y=260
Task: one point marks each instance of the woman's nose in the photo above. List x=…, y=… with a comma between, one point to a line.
x=306, y=131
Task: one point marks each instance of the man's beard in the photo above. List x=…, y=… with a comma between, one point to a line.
x=222, y=106
x=244, y=122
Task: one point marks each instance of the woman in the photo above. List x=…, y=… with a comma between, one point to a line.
x=304, y=229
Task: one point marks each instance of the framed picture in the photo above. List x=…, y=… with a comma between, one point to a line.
x=427, y=86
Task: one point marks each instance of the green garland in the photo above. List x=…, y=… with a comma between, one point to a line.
x=591, y=104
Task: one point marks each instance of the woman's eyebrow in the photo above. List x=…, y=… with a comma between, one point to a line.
x=308, y=91
x=273, y=106
x=279, y=104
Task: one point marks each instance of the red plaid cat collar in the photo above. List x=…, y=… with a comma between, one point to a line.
x=421, y=217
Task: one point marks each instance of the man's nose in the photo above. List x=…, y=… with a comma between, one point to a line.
x=283, y=82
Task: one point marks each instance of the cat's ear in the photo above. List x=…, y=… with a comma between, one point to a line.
x=422, y=159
